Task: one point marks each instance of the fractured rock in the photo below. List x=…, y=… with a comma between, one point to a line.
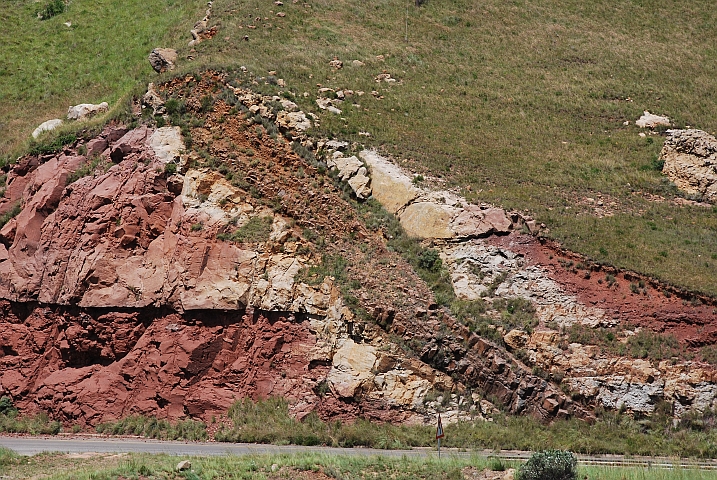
x=428, y=220
x=347, y=166
x=475, y=221
x=167, y=143
x=390, y=186
x=153, y=100
x=163, y=59
x=690, y=158
x=293, y=121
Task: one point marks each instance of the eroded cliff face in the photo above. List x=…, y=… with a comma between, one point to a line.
x=172, y=282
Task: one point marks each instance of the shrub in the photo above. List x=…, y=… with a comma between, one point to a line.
x=429, y=260
x=550, y=465
x=170, y=168
x=52, y=8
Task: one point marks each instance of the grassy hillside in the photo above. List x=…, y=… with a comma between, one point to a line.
x=46, y=66
x=517, y=103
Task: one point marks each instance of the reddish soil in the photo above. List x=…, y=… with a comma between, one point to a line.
x=659, y=307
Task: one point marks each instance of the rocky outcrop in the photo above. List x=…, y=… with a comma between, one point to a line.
x=636, y=385
x=433, y=214
x=163, y=59
x=690, y=161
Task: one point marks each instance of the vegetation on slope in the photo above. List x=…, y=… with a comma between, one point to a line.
x=45, y=65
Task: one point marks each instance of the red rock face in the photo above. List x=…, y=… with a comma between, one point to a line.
x=87, y=367
x=116, y=239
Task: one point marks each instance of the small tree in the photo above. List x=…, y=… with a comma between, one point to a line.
x=550, y=465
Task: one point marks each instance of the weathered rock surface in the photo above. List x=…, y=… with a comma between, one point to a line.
x=47, y=126
x=153, y=100
x=650, y=120
x=427, y=214
x=84, y=111
x=690, y=158
x=163, y=59
x=167, y=143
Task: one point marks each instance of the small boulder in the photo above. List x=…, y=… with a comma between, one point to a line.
x=690, y=161
x=293, y=121
x=46, y=127
x=184, y=465
x=516, y=339
x=359, y=183
x=84, y=111
x=649, y=120
x=163, y=59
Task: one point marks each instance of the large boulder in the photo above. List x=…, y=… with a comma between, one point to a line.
x=690, y=158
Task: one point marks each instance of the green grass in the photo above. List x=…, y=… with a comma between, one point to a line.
x=268, y=421
x=10, y=214
x=256, y=467
x=46, y=66
x=256, y=230
x=88, y=168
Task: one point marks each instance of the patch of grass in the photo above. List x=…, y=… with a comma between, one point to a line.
x=151, y=427
x=10, y=214
x=330, y=266
x=268, y=421
x=89, y=167
x=47, y=66
x=298, y=465
x=645, y=344
x=256, y=230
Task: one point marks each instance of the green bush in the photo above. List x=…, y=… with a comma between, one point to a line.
x=550, y=465
x=51, y=9
x=170, y=168
x=6, y=406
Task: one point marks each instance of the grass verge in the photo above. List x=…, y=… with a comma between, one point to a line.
x=303, y=466
x=268, y=421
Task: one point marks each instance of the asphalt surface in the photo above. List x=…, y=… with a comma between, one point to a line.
x=27, y=445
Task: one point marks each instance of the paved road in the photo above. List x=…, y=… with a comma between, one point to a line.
x=32, y=445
